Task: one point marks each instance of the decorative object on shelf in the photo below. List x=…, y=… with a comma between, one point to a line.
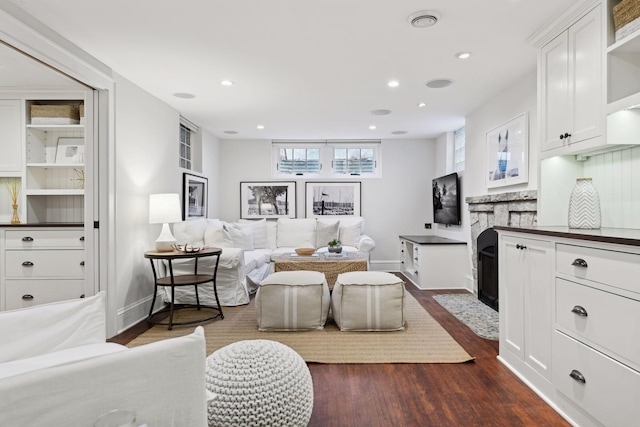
x=305, y=251
x=164, y=209
x=70, y=150
x=335, y=246
x=13, y=187
x=339, y=199
x=626, y=16
x=78, y=181
x=508, y=153
x=189, y=249
x=194, y=196
x=267, y=199
x=584, y=205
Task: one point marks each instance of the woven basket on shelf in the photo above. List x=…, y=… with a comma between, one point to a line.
x=54, y=114
x=625, y=12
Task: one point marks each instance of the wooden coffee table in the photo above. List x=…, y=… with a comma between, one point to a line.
x=329, y=264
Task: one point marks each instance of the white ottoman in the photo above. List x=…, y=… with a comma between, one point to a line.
x=293, y=301
x=258, y=383
x=368, y=301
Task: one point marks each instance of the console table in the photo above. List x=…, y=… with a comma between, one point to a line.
x=194, y=280
x=433, y=262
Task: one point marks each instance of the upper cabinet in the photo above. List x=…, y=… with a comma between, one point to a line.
x=570, y=78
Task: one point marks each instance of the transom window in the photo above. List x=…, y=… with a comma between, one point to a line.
x=299, y=160
x=353, y=161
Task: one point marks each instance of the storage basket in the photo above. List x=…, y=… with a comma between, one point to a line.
x=81, y=111
x=625, y=12
x=54, y=115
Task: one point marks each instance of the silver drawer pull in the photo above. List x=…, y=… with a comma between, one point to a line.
x=577, y=375
x=579, y=310
x=27, y=239
x=27, y=264
x=579, y=262
x=27, y=297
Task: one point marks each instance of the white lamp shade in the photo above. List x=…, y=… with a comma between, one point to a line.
x=164, y=208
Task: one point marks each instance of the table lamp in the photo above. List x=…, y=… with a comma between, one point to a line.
x=164, y=209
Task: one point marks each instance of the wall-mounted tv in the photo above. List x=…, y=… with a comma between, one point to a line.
x=446, y=200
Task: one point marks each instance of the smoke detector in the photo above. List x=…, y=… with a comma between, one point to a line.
x=424, y=18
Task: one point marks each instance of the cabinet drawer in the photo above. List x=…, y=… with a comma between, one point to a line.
x=603, y=321
x=619, y=269
x=610, y=390
x=27, y=239
x=45, y=263
x=26, y=293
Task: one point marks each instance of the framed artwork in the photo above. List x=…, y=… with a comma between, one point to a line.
x=194, y=196
x=70, y=150
x=508, y=153
x=332, y=199
x=267, y=199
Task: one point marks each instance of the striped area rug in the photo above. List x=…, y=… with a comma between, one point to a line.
x=422, y=341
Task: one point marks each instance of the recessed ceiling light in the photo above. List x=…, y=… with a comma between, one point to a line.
x=439, y=83
x=399, y=132
x=260, y=127
x=422, y=104
x=393, y=83
x=463, y=55
x=231, y=132
x=226, y=83
x=424, y=18
x=372, y=127
x=380, y=112
x=184, y=95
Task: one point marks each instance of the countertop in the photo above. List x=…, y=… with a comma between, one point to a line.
x=432, y=240
x=621, y=236
x=41, y=225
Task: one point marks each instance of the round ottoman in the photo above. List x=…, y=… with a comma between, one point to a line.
x=258, y=383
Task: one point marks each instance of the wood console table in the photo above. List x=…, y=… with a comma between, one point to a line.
x=194, y=280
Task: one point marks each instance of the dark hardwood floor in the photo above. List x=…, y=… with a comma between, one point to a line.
x=478, y=393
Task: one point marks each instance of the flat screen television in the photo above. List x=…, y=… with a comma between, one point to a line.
x=446, y=200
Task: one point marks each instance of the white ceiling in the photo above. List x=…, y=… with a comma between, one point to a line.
x=309, y=68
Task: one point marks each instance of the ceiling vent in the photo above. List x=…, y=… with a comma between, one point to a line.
x=424, y=18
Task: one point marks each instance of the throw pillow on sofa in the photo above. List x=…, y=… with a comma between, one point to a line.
x=238, y=237
x=259, y=228
x=350, y=232
x=326, y=231
x=214, y=235
x=296, y=232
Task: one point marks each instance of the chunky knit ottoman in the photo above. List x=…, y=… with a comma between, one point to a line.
x=258, y=383
x=368, y=301
x=292, y=301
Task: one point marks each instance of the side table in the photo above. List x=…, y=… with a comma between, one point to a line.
x=194, y=280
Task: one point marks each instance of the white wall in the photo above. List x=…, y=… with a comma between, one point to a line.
x=398, y=203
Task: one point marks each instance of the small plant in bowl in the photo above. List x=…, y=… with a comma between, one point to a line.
x=335, y=246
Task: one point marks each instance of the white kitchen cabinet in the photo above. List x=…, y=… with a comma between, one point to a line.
x=570, y=79
x=11, y=146
x=526, y=283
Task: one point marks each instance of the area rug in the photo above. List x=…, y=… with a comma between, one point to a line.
x=422, y=341
x=480, y=318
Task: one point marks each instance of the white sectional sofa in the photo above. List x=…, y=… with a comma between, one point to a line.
x=247, y=246
x=56, y=369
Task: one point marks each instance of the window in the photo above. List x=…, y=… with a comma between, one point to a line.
x=185, y=147
x=459, y=149
x=346, y=158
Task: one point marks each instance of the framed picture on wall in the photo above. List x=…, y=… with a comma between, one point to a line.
x=194, y=196
x=267, y=200
x=508, y=153
x=332, y=199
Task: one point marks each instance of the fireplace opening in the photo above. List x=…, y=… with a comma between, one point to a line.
x=487, y=246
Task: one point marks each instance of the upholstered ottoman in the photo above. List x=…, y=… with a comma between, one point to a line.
x=292, y=301
x=368, y=301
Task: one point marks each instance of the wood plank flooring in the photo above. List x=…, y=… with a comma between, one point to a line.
x=478, y=393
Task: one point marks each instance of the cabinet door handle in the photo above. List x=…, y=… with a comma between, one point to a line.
x=27, y=297
x=579, y=310
x=27, y=264
x=27, y=239
x=566, y=135
x=82, y=239
x=577, y=375
x=519, y=246
x=82, y=263
x=416, y=258
x=416, y=272
x=579, y=262
x=82, y=296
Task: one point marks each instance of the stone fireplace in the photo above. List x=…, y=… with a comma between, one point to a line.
x=519, y=208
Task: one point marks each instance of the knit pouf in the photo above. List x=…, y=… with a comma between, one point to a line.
x=258, y=383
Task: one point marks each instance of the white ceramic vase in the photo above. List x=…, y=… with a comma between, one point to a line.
x=584, y=205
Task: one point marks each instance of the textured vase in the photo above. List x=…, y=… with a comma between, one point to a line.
x=584, y=205
x=15, y=218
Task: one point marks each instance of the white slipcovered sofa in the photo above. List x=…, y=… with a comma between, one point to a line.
x=247, y=246
x=57, y=370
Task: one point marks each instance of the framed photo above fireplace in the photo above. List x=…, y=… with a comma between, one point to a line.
x=508, y=153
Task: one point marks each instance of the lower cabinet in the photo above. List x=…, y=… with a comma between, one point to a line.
x=41, y=265
x=526, y=286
